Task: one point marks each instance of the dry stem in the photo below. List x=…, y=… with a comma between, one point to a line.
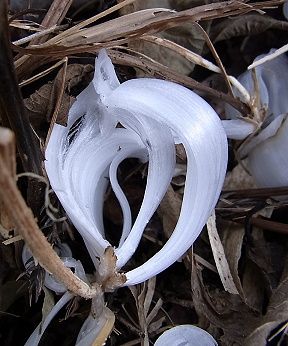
x=7, y=151
x=12, y=110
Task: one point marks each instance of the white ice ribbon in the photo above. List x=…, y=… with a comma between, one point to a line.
x=153, y=113
x=267, y=148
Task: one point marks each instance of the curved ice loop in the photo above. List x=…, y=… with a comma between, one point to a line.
x=285, y=9
x=160, y=172
x=155, y=114
x=35, y=337
x=238, y=128
x=62, y=249
x=272, y=80
x=83, y=185
x=266, y=149
x=204, y=139
x=96, y=328
x=186, y=335
x=127, y=218
x=268, y=161
x=64, y=252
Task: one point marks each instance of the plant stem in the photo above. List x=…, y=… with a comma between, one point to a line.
x=7, y=151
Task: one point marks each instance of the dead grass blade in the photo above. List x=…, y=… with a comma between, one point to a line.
x=54, y=16
x=149, y=21
x=186, y=53
x=232, y=244
x=217, y=58
x=220, y=257
x=143, y=295
x=269, y=57
x=89, y=21
x=42, y=73
x=59, y=101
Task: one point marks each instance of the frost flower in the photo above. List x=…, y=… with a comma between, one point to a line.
x=266, y=148
x=154, y=115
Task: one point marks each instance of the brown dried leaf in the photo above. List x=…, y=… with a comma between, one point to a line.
x=224, y=311
x=245, y=324
x=41, y=105
x=268, y=257
x=123, y=29
x=149, y=295
x=232, y=243
x=143, y=295
x=275, y=316
x=48, y=303
x=238, y=178
x=246, y=25
x=254, y=286
x=169, y=211
x=188, y=35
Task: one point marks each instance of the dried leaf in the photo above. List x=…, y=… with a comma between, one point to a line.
x=48, y=303
x=143, y=295
x=149, y=295
x=275, y=316
x=155, y=326
x=246, y=25
x=220, y=257
x=223, y=310
x=188, y=35
x=239, y=323
x=154, y=311
x=238, y=178
x=268, y=257
x=232, y=244
x=130, y=27
x=254, y=286
x=41, y=105
x=169, y=210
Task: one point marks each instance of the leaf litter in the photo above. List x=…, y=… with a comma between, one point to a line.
x=245, y=301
